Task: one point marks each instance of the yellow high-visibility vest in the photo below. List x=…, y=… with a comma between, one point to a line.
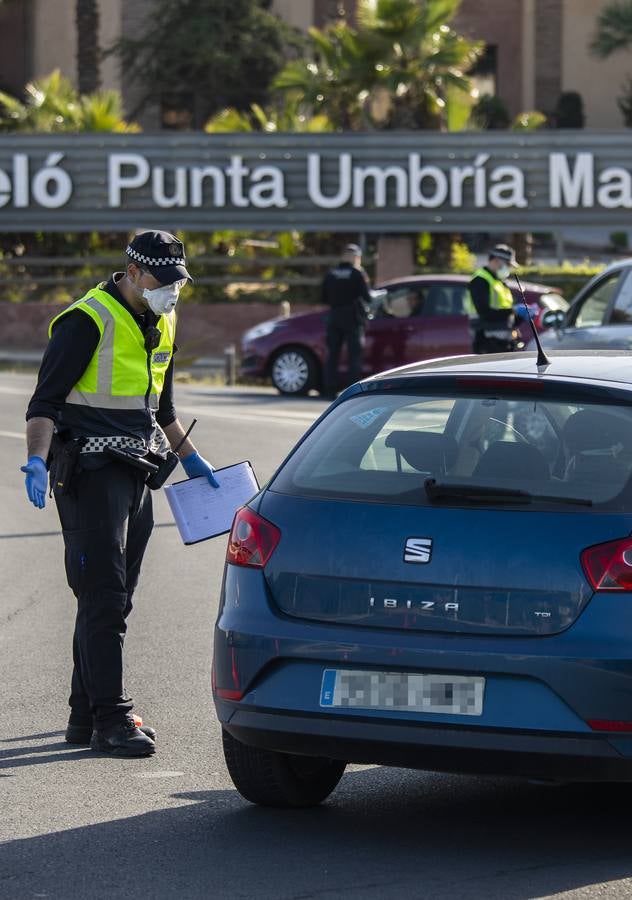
x=119, y=375
x=500, y=296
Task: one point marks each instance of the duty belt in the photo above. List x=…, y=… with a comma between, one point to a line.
x=98, y=444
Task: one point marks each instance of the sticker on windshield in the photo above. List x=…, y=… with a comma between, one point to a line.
x=363, y=420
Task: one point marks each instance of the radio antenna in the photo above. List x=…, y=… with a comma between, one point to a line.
x=185, y=436
x=543, y=359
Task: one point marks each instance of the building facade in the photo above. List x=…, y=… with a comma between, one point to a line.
x=536, y=49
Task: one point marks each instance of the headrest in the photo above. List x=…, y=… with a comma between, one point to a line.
x=425, y=451
x=504, y=459
x=592, y=429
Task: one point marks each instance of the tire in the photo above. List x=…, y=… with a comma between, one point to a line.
x=282, y=780
x=294, y=371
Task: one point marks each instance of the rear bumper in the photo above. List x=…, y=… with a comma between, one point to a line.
x=447, y=749
x=540, y=693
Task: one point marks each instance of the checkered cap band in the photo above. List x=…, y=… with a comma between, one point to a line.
x=98, y=444
x=151, y=261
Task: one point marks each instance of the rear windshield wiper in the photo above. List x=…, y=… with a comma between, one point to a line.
x=436, y=490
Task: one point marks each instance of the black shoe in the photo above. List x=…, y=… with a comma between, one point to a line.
x=81, y=733
x=123, y=739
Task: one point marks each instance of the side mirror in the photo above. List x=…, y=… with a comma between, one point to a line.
x=553, y=318
x=378, y=297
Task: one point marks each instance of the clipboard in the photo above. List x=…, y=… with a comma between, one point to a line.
x=201, y=511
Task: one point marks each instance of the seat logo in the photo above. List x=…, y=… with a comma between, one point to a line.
x=418, y=550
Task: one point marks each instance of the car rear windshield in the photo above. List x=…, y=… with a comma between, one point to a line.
x=475, y=449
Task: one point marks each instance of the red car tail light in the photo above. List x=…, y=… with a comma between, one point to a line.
x=608, y=567
x=252, y=540
x=609, y=725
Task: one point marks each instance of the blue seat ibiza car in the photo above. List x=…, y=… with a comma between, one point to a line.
x=429, y=582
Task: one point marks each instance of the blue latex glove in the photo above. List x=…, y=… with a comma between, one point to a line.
x=195, y=465
x=36, y=480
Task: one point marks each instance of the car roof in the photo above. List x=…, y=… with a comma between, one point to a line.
x=594, y=366
x=532, y=286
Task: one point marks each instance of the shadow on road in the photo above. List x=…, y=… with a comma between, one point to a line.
x=30, y=737
x=384, y=833
x=18, y=757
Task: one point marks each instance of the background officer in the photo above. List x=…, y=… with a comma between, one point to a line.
x=493, y=301
x=106, y=380
x=345, y=290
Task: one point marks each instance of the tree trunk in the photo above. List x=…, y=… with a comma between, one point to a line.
x=440, y=256
x=88, y=50
x=523, y=245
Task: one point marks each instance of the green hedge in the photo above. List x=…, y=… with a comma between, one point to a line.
x=568, y=278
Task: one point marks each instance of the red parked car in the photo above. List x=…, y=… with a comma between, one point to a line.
x=416, y=318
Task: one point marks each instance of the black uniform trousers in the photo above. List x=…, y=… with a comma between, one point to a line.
x=343, y=328
x=106, y=521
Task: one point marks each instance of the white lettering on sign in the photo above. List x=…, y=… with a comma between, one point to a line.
x=575, y=181
x=508, y=188
x=417, y=185
x=574, y=188
x=314, y=191
x=50, y=186
x=5, y=188
x=117, y=182
x=616, y=188
x=435, y=179
x=270, y=191
x=262, y=187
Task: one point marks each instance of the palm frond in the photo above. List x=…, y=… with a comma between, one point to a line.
x=614, y=29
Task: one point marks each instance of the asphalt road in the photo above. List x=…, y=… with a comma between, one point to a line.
x=74, y=824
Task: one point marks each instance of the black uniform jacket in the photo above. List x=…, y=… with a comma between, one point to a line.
x=346, y=292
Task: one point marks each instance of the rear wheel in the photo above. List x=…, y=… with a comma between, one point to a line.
x=284, y=780
x=294, y=371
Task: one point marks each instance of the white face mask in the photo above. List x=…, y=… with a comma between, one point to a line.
x=504, y=272
x=163, y=299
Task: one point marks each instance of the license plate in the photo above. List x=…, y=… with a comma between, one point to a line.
x=456, y=695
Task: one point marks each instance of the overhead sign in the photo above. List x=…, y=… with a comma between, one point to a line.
x=372, y=182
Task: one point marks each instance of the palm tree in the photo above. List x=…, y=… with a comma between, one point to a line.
x=614, y=32
x=614, y=29
x=52, y=105
x=88, y=50
x=397, y=70
x=424, y=59
x=289, y=117
x=338, y=81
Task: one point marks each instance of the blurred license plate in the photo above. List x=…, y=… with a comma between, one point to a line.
x=457, y=695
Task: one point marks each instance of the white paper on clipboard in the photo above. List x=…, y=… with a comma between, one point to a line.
x=202, y=511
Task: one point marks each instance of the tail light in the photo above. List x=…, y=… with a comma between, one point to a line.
x=609, y=725
x=608, y=567
x=536, y=314
x=252, y=540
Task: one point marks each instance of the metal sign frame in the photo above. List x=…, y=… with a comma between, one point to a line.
x=376, y=182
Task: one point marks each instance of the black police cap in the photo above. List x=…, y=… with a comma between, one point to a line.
x=161, y=254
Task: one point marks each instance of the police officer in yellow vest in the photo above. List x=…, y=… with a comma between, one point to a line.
x=493, y=302
x=106, y=381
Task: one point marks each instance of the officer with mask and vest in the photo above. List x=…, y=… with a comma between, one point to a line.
x=492, y=301
x=106, y=381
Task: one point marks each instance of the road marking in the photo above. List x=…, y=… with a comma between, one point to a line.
x=18, y=392
x=261, y=418
x=279, y=417
x=13, y=434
